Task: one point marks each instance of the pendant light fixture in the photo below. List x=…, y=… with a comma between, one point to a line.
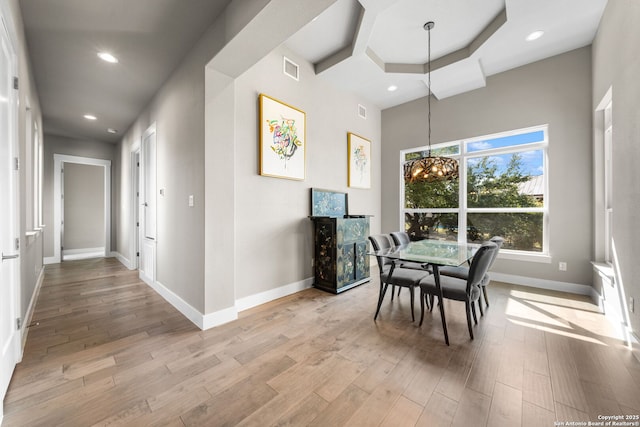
x=430, y=168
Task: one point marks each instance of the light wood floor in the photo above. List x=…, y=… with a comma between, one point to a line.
x=103, y=348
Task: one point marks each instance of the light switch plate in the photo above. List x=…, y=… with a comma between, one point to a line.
x=191, y=200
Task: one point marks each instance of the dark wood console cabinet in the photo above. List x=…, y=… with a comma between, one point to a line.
x=340, y=256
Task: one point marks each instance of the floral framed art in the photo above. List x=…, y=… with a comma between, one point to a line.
x=282, y=139
x=359, y=164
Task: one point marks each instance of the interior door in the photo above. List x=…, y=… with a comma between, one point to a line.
x=148, y=206
x=9, y=241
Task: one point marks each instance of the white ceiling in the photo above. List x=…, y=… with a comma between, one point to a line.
x=361, y=46
x=368, y=45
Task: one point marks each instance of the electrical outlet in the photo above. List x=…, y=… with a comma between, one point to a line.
x=562, y=266
x=631, y=305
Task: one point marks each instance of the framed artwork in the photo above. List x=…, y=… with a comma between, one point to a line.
x=329, y=203
x=282, y=139
x=359, y=169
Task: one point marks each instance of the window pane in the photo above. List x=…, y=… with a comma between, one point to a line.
x=438, y=194
x=442, y=226
x=505, y=141
x=450, y=150
x=506, y=180
x=521, y=231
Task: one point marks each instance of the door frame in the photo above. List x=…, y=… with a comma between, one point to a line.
x=12, y=348
x=147, y=246
x=58, y=161
x=134, y=246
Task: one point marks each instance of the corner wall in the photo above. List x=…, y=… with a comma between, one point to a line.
x=555, y=91
x=616, y=64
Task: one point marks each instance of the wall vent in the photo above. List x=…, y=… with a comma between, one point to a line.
x=290, y=68
x=362, y=111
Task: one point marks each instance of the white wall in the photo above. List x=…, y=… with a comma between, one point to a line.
x=616, y=66
x=555, y=91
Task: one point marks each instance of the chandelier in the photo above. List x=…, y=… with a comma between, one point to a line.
x=430, y=168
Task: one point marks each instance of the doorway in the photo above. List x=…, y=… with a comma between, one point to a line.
x=147, y=206
x=60, y=160
x=83, y=199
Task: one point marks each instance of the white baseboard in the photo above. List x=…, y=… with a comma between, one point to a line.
x=209, y=320
x=181, y=305
x=219, y=317
x=50, y=260
x=273, y=294
x=552, y=285
x=124, y=261
x=84, y=253
x=30, y=309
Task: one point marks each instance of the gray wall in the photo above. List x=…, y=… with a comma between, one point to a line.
x=83, y=206
x=54, y=144
x=555, y=91
x=178, y=110
x=273, y=233
x=616, y=65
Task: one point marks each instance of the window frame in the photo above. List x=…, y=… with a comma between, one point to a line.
x=463, y=210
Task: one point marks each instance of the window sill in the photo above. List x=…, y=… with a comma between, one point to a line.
x=524, y=256
x=604, y=269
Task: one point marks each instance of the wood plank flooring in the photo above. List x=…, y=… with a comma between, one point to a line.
x=104, y=349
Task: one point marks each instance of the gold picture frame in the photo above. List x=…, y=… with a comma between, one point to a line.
x=359, y=163
x=282, y=139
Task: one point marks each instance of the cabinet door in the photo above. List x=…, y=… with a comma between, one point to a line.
x=361, y=261
x=346, y=264
x=325, y=252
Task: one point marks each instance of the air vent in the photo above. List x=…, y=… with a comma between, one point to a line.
x=362, y=111
x=290, y=68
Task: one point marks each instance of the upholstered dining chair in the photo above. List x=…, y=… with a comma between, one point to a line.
x=458, y=289
x=462, y=272
x=402, y=277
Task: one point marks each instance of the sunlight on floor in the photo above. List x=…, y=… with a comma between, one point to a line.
x=567, y=315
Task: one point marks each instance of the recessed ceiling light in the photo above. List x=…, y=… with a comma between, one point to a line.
x=90, y=117
x=534, y=36
x=112, y=130
x=392, y=88
x=106, y=56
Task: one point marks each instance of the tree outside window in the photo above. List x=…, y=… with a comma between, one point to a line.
x=503, y=193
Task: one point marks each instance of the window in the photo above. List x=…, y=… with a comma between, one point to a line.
x=501, y=191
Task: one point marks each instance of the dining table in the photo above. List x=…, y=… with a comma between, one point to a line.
x=432, y=254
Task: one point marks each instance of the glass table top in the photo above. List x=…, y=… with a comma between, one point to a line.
x=438, y=252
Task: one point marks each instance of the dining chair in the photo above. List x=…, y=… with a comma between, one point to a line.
x=462, y=272
x=392, y=273
x=458, y=289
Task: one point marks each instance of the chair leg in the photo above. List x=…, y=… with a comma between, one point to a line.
x=423, y=299
x=393, y=291
x=411, y=294
x=399, y=289
x=486, y=298
x=383, y=290
x=480, y=307
x=468, y=307
x=444, y=322
x=431, y=302
x=473, y=311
